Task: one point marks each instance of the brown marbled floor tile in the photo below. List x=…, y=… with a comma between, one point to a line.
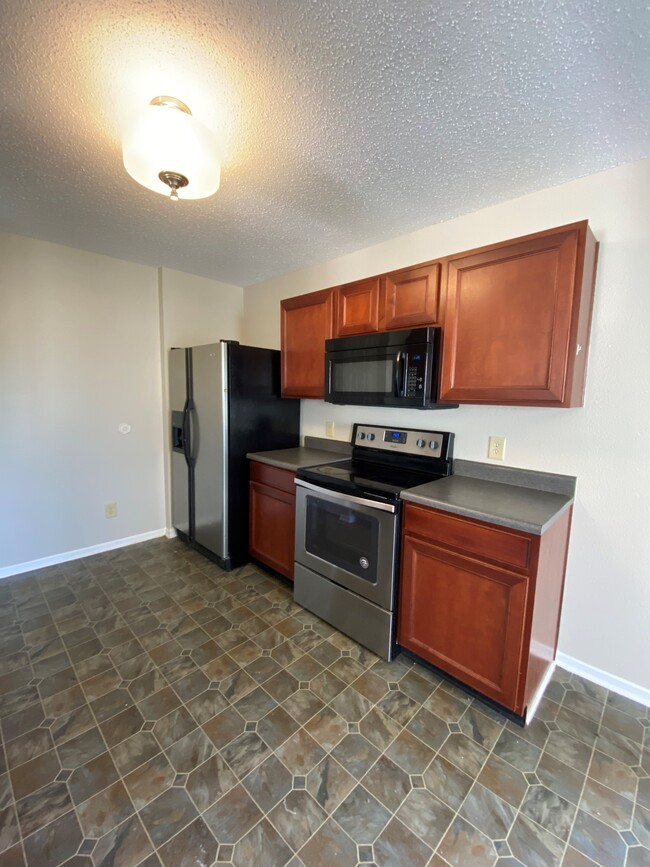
x=598, y=841
x=54, y=844
x=362, y=816
x=356, y=754
x=300, y=753
x=194, y=845
x=42, y=807
x=297, y=816
x=245, y=753
x=232, y=816
x=149, y=780
x=135, y=751
x=89, y=779
x=267, y=784
x=127, y=844
x=169, y=813
x=105, y=810
x=329, y=783
x=32, y=775
x=329, y=845
x=263, y=846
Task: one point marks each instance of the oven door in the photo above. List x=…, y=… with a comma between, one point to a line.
x=350, y=540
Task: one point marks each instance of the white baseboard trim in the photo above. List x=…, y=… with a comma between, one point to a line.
x=604, y=678
x=171, y=533
x=66, y=556
x=539, y=695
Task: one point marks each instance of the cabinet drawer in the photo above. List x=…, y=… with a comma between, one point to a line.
x=275, y=477
x=473, y=538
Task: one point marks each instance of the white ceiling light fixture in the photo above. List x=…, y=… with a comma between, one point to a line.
x=166, y=150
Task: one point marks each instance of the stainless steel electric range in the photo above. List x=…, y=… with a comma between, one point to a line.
x=348, y=528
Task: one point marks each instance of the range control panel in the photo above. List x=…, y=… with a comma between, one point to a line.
x=406, y=441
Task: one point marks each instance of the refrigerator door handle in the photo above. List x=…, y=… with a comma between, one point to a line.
x=186, y=433
x=193, y=429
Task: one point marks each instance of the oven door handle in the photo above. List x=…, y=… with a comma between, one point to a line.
x=347, y=498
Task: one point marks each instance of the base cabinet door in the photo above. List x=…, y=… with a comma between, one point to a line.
x=464, y=616
x=272, y=521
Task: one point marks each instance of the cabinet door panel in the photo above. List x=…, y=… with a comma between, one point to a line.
x=358, y=307
x=510, y=320
x=464, y=616
x=306, y=323
x=410, y=297
x=272, y=527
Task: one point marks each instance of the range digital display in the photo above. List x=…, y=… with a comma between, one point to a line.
x=394, y=436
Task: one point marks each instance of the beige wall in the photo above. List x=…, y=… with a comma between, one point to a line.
x=604, y=444
x=84, y=341
x=79, y=355
x=194, y=311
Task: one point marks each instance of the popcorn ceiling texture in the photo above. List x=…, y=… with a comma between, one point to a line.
x=340, y=123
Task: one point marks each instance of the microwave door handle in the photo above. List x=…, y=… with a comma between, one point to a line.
x=401, y=373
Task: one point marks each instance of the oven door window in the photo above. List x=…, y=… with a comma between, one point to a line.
x=343, y=536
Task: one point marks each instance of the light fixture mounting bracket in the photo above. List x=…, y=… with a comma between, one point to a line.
x=174, y=181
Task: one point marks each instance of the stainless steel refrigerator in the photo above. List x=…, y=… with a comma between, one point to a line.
x=225, y=401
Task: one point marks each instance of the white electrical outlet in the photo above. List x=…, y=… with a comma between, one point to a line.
x=110, y=510
x=497, y=448
x=329, y=428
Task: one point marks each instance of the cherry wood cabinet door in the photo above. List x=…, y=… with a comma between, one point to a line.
x=410, y=297
x=306, y=323
x=272, y=527
x=357, y=309
x=464, y=616
x=517, y=320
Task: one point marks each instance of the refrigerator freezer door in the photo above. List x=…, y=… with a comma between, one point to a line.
x=180, y=481
x=209, y=437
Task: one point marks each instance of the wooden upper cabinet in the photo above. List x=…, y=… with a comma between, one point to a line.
x=410, y=297
x=307, y=321
x=357, y=308
x=517, y=320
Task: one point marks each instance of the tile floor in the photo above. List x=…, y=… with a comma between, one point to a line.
x=158, y=711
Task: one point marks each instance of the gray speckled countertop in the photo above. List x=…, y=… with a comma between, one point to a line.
x=521, y=508
x=315, y=451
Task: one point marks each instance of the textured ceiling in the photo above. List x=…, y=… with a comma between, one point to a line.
x=341, y=122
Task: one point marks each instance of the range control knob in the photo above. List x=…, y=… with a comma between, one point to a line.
x=420, y=444
x=434, y=444
x=371, y=437
x=361, y=435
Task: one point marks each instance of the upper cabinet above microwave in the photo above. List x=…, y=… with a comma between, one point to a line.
x=402, y=299
x=515, y=317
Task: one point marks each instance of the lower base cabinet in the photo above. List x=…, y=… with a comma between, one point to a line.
x=272, y=517
x=482, y=602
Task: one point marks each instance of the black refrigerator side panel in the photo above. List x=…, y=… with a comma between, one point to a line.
x=259, y=420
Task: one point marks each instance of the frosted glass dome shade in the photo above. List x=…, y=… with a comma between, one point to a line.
x=163, y=138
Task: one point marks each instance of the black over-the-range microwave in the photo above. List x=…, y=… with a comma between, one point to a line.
x=391, y=368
